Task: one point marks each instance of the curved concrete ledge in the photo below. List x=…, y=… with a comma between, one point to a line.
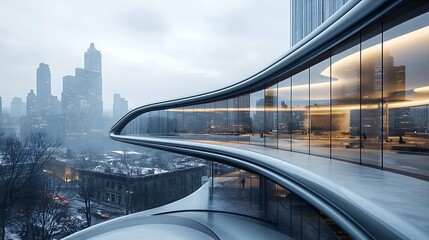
x=367, y=203
x=183, y=219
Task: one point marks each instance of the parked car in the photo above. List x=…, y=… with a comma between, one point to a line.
x=353, y=145
x=100, y=214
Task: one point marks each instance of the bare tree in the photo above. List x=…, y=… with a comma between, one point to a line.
x=86, y=193
x=46, y=214
x=20, y=162
x=86, y=189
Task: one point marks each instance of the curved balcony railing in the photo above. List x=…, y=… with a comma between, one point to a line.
x=356, y=90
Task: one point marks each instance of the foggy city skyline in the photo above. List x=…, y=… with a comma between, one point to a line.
x=145, y=46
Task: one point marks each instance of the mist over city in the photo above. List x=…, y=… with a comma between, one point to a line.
x=152, y=51
x=70, y=70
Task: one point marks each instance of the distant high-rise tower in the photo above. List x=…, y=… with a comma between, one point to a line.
x=81, y=103
x=43, y=88
x=307, y=15
x=31, y=103
x=17, y=107
x=120, y=106
x=93, y=59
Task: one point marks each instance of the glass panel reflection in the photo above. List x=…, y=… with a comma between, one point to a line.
x=220, y=120
x=371, y=96
x=284, y=114
x=270, y=131
x=320, y=109
x=300, y=112
x=406, y=95
x=238, y=191
x=345, y=70
x=257, y=118
x=244, y=119
x=233, y=125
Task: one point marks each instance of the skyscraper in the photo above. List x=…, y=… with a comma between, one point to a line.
x=307, y=15
x=17, y=107
x=43, y=79
x=93, y=59
x=31, y=103
x=82, y=104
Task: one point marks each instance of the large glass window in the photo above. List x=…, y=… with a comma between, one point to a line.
x=188, y=122
x=345, y=74
x=233, y=126
x=200, y=124
x=320, y=109
x=163, y=119
x=406, y=94
x=270, y=130
x=284, y=114
x=244, y=118
x=209, y=113
x=257, y=117
x=221, y=120
x=300, y=113
x=179, y=117
x=371, y=94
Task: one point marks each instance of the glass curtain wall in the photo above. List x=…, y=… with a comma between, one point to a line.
x=366, y=101
x=270, y=121
x=284, y=114
x=300, y=111
x=320, y=108
x=257, y=118
x=345, y=70
x=163, y=119
x=371, y=96
x=199, y=123
x=406, y=94
x=221, y=120
x=188, y=122
x=209, y=116
x=233, y=118
x=238, y=191
x=244, y=119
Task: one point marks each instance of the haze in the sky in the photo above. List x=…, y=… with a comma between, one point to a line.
x=151, y=50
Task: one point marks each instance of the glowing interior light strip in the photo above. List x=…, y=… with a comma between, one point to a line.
x=424, y=89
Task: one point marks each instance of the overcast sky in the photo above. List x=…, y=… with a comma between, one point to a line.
x=151, y=50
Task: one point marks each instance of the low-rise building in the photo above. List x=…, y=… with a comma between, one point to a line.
x=137, y=193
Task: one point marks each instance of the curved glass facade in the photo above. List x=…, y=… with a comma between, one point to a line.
x=237, y=191
x=365, y=100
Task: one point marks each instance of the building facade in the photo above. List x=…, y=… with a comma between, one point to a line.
x=307, y=15
x=82, y=104
x=138, y=193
